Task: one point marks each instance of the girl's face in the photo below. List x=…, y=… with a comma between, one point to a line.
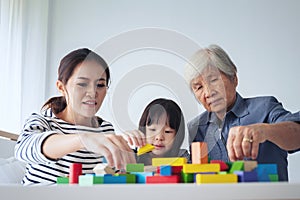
x=84, y=92
x=161, y=136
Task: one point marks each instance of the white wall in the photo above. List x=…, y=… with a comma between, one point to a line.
x=261, y=36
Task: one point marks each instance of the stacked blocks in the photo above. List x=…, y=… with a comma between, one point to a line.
x=176, y=170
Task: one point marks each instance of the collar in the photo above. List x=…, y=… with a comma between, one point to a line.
x=239, y=109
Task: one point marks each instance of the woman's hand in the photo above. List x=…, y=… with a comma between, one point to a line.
x=135, y=138
x=113, y=147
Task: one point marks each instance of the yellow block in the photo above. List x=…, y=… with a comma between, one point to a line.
x=196, y=168
x=173, y=161
x=216, y=178
x=145, y=149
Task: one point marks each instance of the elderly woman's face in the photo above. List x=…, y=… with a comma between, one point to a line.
x=214, y=90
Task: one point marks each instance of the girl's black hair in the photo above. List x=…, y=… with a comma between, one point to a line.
x=175, y=120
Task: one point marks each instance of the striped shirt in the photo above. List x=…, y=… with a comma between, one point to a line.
x=39, y=168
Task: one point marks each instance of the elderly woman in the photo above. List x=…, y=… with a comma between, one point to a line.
x=234, y=127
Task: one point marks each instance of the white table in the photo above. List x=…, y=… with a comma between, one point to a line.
x=280, y=190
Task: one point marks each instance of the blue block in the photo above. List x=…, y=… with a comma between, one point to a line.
x=246, y=176
x=114, y=179
x=141, y=176
x=165, y=170
x=268, y=168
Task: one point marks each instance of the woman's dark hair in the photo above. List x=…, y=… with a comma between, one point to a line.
x=66, y=68
x=175, y=120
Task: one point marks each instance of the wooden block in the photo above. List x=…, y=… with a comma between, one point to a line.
x=223, y=165
x=75, y=172
x=150, y=168
x=237, y=166
x=165, y=170
x=137, y=167
x=187, y=177
x=130, y=178
x=141, y=176
x=216, y=178
x=173, y=161
x=162, y=179
x=103, y=168
x=62, y=180
x=110, y=179
x=250, y=165
x=196, y=168
x=244, y=176
x=199, y=152
x=145, y=149
x=273, y=177
x=90, y=179
x=176, y=169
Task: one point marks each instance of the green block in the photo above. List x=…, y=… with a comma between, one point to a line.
x=237, y=166
x=62, y=180
x=187, y=177
x=222, y=172
x=130, y=178
x=138, y=167
x=86, y=180
x=273, y=177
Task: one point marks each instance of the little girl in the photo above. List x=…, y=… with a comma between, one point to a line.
x=161, y=125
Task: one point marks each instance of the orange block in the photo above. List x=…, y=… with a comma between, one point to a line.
x=199, y=153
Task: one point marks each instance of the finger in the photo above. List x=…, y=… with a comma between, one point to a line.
x=108, y=156
x=128, y=138
x=255, y=147
x=247, y=145
x=141, y=139
x=229, y=147
x=237, y=145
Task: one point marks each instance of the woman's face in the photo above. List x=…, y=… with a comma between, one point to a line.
x=215, y=91
x=161, y=136
x=85, y=92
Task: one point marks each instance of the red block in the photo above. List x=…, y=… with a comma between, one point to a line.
x=223, y=165
x=75, y=172
x=162, y=179
x=176, y=169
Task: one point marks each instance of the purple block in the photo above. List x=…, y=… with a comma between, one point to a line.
x=246, y=176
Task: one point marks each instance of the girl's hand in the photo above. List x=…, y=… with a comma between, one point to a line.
x=113, y=147
x=135, y=138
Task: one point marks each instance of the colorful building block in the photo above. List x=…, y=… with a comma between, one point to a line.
x=130, y=178
x=237, y=166
x=165, y=170
x=173, y=161
x=177, y=169
x=137, y=167
x=75, y=172
x=162, y=179
x=223, y=165
x=111, y=179
x=199, y=152
x=103, y=168
x=216, y=178
x=145, y=149
x=62, y=180
x=141, y=176
x=249, y=165
x=249, y=176
x=187, y=177
x=196, y=168
x=90, y=179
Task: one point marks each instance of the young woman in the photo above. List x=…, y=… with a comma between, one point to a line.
x=67, y=130
x=161, y=125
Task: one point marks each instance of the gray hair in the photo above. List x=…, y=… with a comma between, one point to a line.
x=213, y=56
